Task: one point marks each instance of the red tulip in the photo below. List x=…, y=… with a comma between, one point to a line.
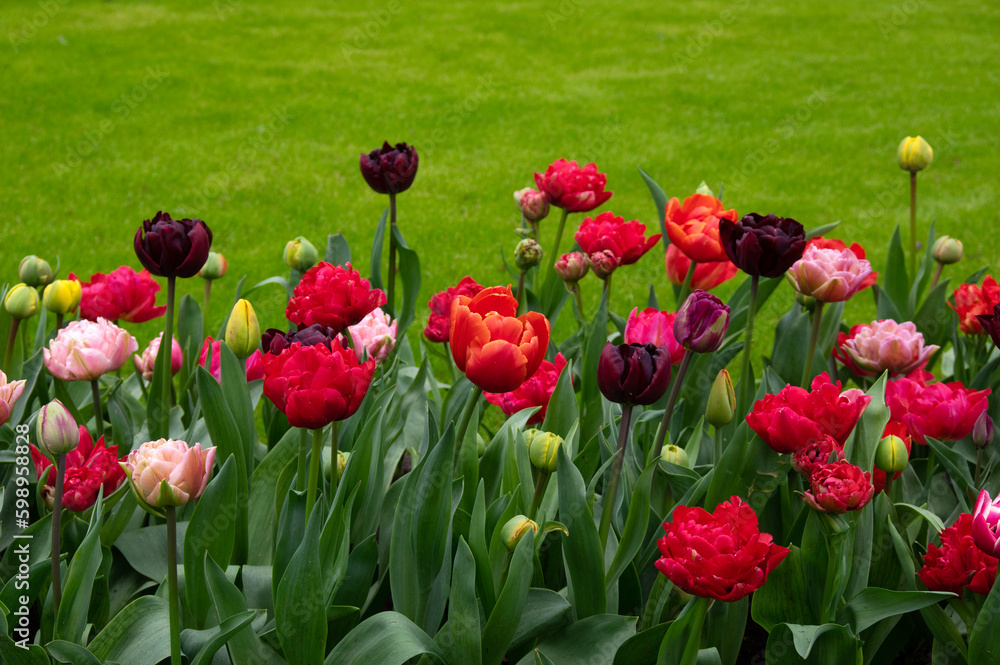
x=651, y=326
x=986, y=523
x=574, y=188
x=255, y=370
x=123, y=294
x=839, y=487
x=536, y=391
x=89, y=467
x=316, y=385
x=721, y=555
x=694, y=226
x=332, y=296
x=972, y=301
x=958, y=563
x=706, y=277
x=815, y=453
x=788, y=420
x=942, y=411
x=608, y=232
x=439, y=321
x=496, y=349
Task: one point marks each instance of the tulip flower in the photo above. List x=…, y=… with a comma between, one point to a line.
x=536, y=391
x=947, y=250
x=10, y=391
x=533, y=204
x=55, y=430
x=958, y=564
x=701, y=322
x=543, y=449
x=85, y=350
x=214, y=268
x=173, y=248
x=255, y=370
x=21, y=301
x=633, y=373
x=832, y=243
x=973, y=302
x=300, y=254
x=333, y=296
x=982, y=431
x=913, y=155
x=572, y=267
x=390, y=169
x=274, y=341
x=608, y=232
x=943, y=411
x=986, y=524
x=374, y=334
x=527, y=254
x=655, y=327
x=573, y=188
x=693, y=227
x=243, y=330
x=990, y=324
x=828, y=275
x=603, y=263
x=146, y=363
x=123, y=294
x=62, y=297
x=887, y=346
x=839, y=487
x=706, y=276
x=674, y=455
x=816, y=453
x=763, y=245
x=439, y=322
x=90, y=467
x=34, y=271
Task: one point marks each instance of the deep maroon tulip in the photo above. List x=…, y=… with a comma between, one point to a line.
x=173, y=247
x=991, y=324
x=390, y=170
x=763, y=245
x=274, y=341
x=633, y=373
x=701, y=322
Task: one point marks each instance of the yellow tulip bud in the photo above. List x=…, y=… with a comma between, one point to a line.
x=543, y=449
x=674, y=455
x=62, y=296
x=914, y=154
x=243, y=330
x=514, y=530
x=21, y=301
x=721, y=401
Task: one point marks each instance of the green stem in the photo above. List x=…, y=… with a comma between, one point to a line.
x=520, y=292
x=540, y=485
x=208, y=295
x=392, y=254
x=95, y=387
x=608, y=499
x=59, y=322
x=718, y=445
x=606, y=291
x=813, y=338
x=554, y=255
x=888, y=484
x=56, y=533
x=175, y=620
x=937, y=275
x=463, y=424
x=334, y=434
x=167, y=344
x=314, y=462
x=451, y=363
x=701, y=607
x=11, y=339
x=675, y=389
x=913, y=225
x=579, y=302
x=300, y=475
x=746, y=382
x=979, y=465
x=930, y=465
x=686, y=288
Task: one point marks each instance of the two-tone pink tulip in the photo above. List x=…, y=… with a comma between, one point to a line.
x=888, y=346
x=828, y=275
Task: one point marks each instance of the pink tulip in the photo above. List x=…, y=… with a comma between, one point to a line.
x=651, y=326
x=986, y=523
x=145, y=363
x=375, y=334
x=887, y=345
x=84, y=350
x=829, y=275
x=168, y=472
x=9, y=392
x=255, y=370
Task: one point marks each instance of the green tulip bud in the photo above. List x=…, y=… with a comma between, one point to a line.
x=543, y=449
x=914, y=154
x=721, y=401
x=34, y=271
x=703, y=188
x=891, y=455
x=62, y=296
x=674, y=455
x=527, y=254
x=214, y=268
x=21, y=301
x=55, y=430
x=300, y=254
x=243, y=330
x=947, y=250
x=514, y=530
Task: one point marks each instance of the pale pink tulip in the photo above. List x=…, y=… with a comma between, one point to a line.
x=9, y=392
x=375, y=333
x=84, y=350
x=168, y=472
x=651, y=326
x=828, y=275
x=986, y=523
x=145, y=363
x=887, y=345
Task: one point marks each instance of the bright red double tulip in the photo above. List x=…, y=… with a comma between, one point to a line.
x=972, y=301
x=89, y=467
x=958, y=563
x=838, y=487
x=788, y=420
x=721, y=555
x=693, y=226
x=815, y=453
x=536, y=391
x=122, y=294
x=942, y=411
x=609, y=232
x=572, y=187
x=496, y=349
x=333, y=296
x=316, y=385
x=439, y=321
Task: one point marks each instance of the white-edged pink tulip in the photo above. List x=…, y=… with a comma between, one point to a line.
x=888, y=346
x=9, y=392
x=168, y=472
x=145, y=363
x=828, y=275
x=375, y=333
x=85, y=350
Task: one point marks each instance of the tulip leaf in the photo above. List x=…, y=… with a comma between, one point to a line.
x=244, y=647
x=503, y=621
x=158, y=404
x=463, y=610
x=140, y=633
x=636, y=526
x=789, y=355
x=190, y=335
x=13, y=653
x=896, y=283
x=925, y=267
x=409, y=276
x=544, y=612
x=366, y=471
x=213, y=639
x=872, y=605
x=861, y=445
x=291, y=527
x=933, y=318
x=262, y=493
x=67, y=652
x=682, y=640
x=30, y=371
x=212, y=529
x=641, y=648
x=71, y=621
x=593, y=641
x=237, y=398
x=542, y=659
x=300, y=601
x=592, y=418
x=477, y=545
x=376, y=258
x=828, y=644
x=338, y=252
x=387, y=638
x=785, y=596
x=955, y=465
x=361, y=566
x=582, y=552
x=563, y=411
x=821, y=230
x=983, y=643
x=660, y=201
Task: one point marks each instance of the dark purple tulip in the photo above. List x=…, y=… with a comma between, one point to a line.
x=274, y=341
x=173, y=247
x=982, y=431
x=763, y=245
x=991, y=324
x=633, y=373
x=701, y=322
x=390, y=170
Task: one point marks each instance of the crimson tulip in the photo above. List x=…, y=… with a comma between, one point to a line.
x=973, y=301
x=439, y=322
x=608, y=232
x=815, y=453
x=536, y=391
x=89, y=468
x=573, y=188
x=839, y=487
x=332, y=296
x=122, y=294
x=942, y=411
x=958, y=563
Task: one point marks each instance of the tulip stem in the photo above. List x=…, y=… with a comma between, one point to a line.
x=718, y=445
x=746, y=377
x=554, y=256
x=608, y=498
x=95, y=387
x=300, y=475
x=913, y=224
x=606, y=291
x=579, y=303
x=56, y=533
x=686, y=288
x=11, y=339
x=334, y=466
x=59, y=322
x=661, y=431
x=314, y=462
x=813, y=338
x=888, y=484
x=520, y=292
x=163, y=426
x=930, y=464
x=392, y=254
x=175, y=620
x=937, y=275
x=979, y=465
x=208, y=294
x=463, y=424
x=540, y=485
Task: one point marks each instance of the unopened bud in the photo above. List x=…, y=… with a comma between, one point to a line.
x=891, y=454
x=914, y=154
x=532, y=204
x=55, y=430
x=603, y=263
x=243, y=330
x=62, y=296
x=214, y=268
x=703, y=188
x=514, y=530
x=543, y=449
x=572, y=267
x=527, y=254
x=674, y=455
x=300, y=254
x=34, y=271
x=982, y=431
x=21, y=301
x=721, y=401
x=947, y=250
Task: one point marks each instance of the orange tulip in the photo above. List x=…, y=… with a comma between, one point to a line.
x=707, y=276
x=496, y=349
x=694, y=226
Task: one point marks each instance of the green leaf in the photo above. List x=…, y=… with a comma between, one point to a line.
x=860, y=447
x=376, y=259
x=544, y=612
x=387, y=638
x=635, y=526
x=682, y=640
x=140, y=633
x=503, y=621
x=67, y=652
x=895, y=279
x=660, y=201
x=641, y=649
x=71, y=621
x=245, y=648
x=954, y=464
x=409, y=275
x=592, y=418
x=563, y=411
x=984, y=647
x=30, y=371
x=542, y=659
x=338, y=252
x=821, y=230
x=593, y=641
x=934, y=317
x=828, y=644
x=874, y=604
x=463, y=610
x=13, y=654
x=300, y=603
x=785, y=596
x=219, y=635
x=581, y=550
x=262, y=497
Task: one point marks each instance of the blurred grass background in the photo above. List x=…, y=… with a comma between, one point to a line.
x=252, y=115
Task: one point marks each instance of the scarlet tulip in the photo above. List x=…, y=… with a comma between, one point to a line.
x=573, y=188
x=536, y=391
x=122, y=294
x=958, y=564
x=943, y=411
x=839, y=487
x=333, y=296
x=694, y=226
x=973, y=301
x=89, y=467
x=608, y=232
x=439, y=322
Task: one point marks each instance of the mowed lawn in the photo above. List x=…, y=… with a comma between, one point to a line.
x=251, y=115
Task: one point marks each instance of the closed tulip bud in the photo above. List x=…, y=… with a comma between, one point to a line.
x=527, y=254
x=21, y=301
x=674, y=455
x=62, y=296
x=543, y=449
x=300, y=254
x=532, y=204
x=914, y=154
x=572, y=267
x=55, y=430
x=947, y=250
x=891, y=454
x=721, y=401
x=701, y=322
x=214, y=268
x=603, y=263
x=514, y=530
x=342, y=458
x=703, y=188
x=243, y=330
x=982, y=431
x=34, y=271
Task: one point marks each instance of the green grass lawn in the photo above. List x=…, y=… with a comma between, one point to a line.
x=252, y=115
